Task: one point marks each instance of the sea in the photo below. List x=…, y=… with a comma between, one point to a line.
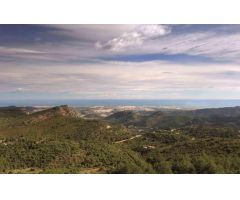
x=169, y=103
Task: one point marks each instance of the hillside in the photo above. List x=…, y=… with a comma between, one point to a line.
x=126, y=117
x=59, y=111
x=224, y=117
x=58, y=140
x=13, y=111
x=220, y=112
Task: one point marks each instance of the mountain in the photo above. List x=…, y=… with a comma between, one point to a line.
x=125, y=117
x=58, y=111
x=57, y=140
x=219, y=112
x=13, y=111
x=229, y=116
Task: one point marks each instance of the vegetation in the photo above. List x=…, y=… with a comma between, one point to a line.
x=58, y=141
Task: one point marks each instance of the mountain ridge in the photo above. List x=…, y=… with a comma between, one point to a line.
x=57, y=111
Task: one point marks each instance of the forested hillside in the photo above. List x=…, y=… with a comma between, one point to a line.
x=58, y=140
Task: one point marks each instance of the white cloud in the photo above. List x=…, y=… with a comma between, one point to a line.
x=218, y=46
x=153, y=31
x=146, y=39
x=20, y=89
x=128, y=39
x=9, y=50
x=136, y=37
x=209, y=44
x=67, y=73
x=124, y=80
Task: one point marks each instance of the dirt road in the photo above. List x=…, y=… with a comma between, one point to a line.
x=121, y=141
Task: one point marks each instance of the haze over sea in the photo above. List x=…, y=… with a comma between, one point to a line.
x=181, y=103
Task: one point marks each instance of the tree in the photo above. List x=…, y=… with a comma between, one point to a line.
x=183, y=165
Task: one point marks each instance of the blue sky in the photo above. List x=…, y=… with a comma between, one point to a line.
x=119, y=62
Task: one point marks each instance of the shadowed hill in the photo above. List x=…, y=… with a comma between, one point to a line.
x=13, y=111
x=228, y=116
x=58, y=111
x=124, y=117
x=220, y=112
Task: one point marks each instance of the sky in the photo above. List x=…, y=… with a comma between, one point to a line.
x=119, y=62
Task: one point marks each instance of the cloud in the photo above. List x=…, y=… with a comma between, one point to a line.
x=64, y=62
x=136, y=37
x=210, y=44
x=122, y=80
x=5, y=50
x=218, y=43
x=20, y=89
x=76, y=43
x=153, y=31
